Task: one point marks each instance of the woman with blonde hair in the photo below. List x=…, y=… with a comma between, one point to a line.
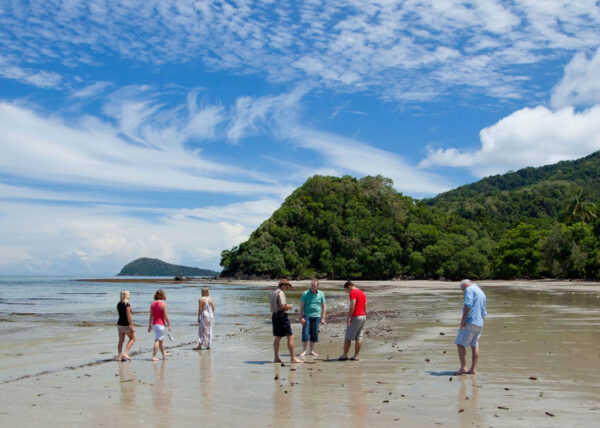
x=206, y=310
x=125, y=326
x=157, y=321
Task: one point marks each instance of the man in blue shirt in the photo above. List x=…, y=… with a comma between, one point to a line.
x=471, y=323
x=312, y=315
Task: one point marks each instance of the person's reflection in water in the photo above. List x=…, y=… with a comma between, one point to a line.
x=469, y=416
x=357, y=398
x=283, y=389
x=162, y=394
x=207, y=385
x=128, y=385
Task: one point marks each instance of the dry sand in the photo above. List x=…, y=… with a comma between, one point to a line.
x=540, y=360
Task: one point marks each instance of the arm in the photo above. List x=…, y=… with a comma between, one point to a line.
x=285, y=307
x=351, y=311
x=464, y=317
x=164, y=308
x=212, y=304
x=302, y=320
x=129, y=319
x=150, y=320
x=199, y=308
x=323, y=312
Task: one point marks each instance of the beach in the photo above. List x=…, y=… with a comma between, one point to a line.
x=540, y=354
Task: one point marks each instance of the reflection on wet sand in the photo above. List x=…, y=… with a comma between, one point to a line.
x=356, y=394
x=283, y=392
x=207, y=383
x=468, y=405
x=128, y=386
x=162, y=394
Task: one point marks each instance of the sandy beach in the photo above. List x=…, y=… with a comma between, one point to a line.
x=540, y=354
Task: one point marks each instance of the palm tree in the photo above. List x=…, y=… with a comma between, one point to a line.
x=579, y=209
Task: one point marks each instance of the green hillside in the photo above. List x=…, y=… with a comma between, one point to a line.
x=527, y=193
x=154, y=267
x=536, y=222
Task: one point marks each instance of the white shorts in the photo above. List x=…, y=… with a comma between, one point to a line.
x=159, y=331
x=469, y=336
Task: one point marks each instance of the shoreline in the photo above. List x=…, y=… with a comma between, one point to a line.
x=419, y=284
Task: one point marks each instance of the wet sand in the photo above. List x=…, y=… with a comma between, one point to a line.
x=540, y=355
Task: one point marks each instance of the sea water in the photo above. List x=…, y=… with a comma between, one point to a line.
x=49, y=323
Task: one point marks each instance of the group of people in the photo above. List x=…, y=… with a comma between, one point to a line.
x=312, y=315
x=313, y=310
x=159, y=320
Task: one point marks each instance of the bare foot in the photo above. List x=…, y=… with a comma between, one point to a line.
x=276, y=360
x=471, y=372
x=119, y=358
x=354, y=358
x=303, y=354
x=343, y=358
x=296, y=360
x=197, y=348
x=154, y=359
x=126, y=357
x=166, y=354
x=460, y=372
x=314, y=354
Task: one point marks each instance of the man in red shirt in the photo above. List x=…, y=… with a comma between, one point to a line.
x=357, y=316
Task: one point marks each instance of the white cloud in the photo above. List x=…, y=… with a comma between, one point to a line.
x=92, y=152
x=528, y=137
x=338, y=155
x=41, y=79
x=99, y=240
x=580, y=85
x=356, y=158
x=91, y=90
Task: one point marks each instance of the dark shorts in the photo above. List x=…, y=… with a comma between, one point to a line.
x=281, y=325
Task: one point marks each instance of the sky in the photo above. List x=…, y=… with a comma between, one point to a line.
x=172, y=129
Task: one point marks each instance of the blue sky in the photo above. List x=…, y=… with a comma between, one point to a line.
x=172, y=129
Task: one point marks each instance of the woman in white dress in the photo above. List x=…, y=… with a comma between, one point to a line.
x=206, y=316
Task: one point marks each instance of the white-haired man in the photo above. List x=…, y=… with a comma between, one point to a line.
x=471, y=324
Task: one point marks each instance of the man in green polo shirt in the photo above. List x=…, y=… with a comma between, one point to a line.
x=312, y=315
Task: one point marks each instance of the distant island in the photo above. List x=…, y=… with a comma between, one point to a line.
x=154, y=267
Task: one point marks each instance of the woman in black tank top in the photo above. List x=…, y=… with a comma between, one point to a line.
x=125, y=326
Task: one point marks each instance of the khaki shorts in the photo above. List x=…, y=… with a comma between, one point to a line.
x=124, y=329
x=355, y=330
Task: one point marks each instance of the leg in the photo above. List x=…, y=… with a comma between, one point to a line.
x=120, y=346
x=199, y=347
x=162, y=349
x=357, y=346
x=315, y=322
x=475, y=354
x=276, y=359
x=305, y=334
x=290, y=341
x=155, y=350
x=131, y=336
x=344, y=356
x=462, y=356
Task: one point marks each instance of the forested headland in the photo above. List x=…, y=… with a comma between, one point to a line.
x=532, y=223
